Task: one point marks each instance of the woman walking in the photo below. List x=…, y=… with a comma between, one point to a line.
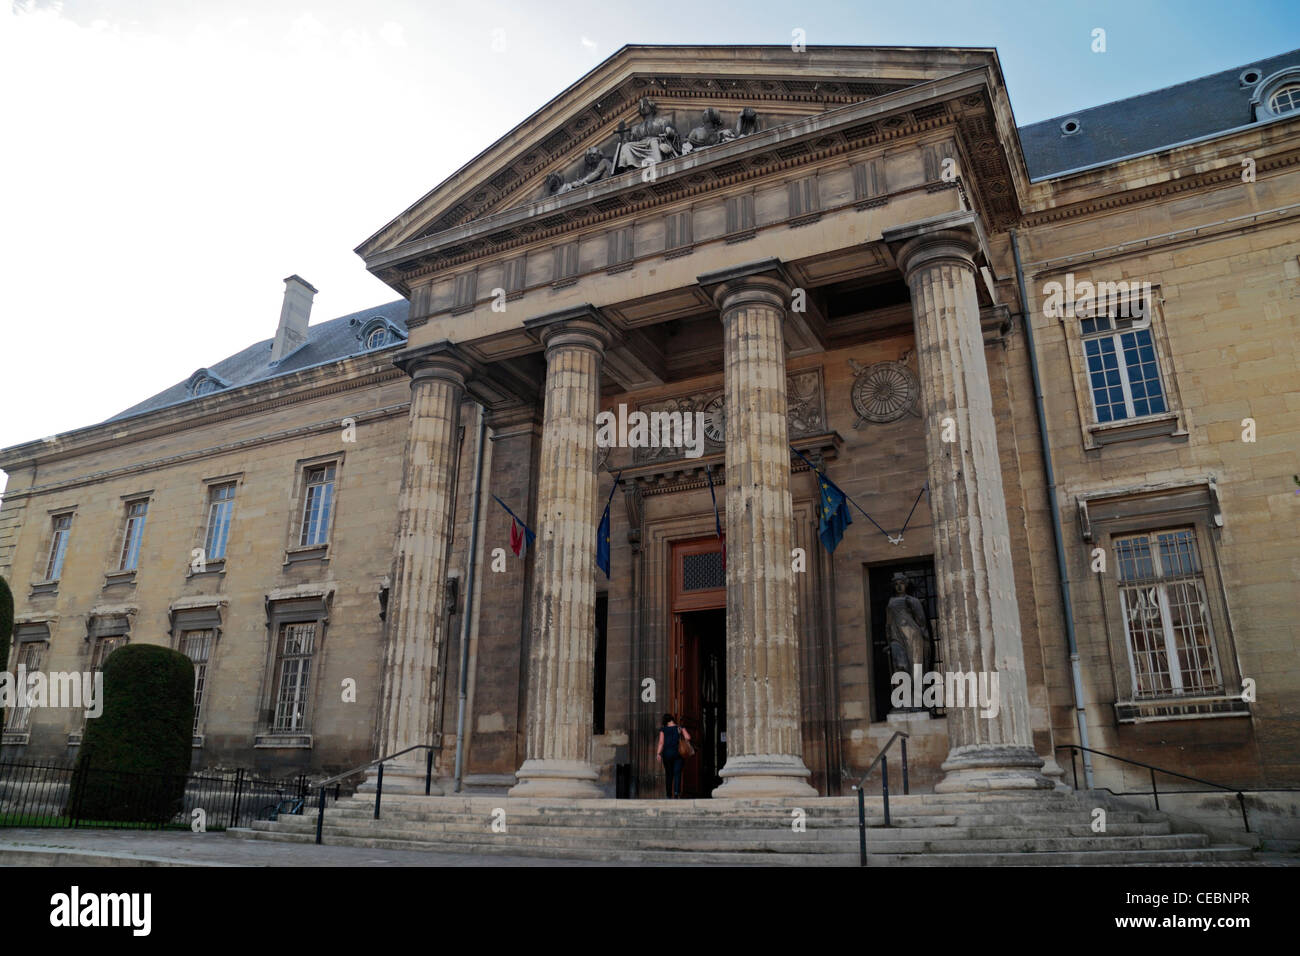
x=669, y=750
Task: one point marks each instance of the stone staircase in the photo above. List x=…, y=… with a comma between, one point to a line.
x=994, y=829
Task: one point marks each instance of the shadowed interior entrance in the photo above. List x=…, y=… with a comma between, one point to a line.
x=698, y=694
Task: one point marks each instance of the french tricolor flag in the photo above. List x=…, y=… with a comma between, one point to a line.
x=521, y=536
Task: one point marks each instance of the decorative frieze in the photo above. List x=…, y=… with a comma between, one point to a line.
x=805, y=415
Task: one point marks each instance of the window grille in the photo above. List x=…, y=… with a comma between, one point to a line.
x=1166, y=615
x=297, y=645
x=197, y=646
x=703, y=571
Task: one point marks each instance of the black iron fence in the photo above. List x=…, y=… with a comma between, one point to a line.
x=35, y=794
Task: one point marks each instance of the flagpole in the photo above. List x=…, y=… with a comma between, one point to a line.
x=821, y=474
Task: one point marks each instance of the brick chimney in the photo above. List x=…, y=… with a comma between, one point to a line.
x=294, y=315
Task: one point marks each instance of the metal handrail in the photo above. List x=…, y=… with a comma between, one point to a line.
x=379, y=782
x=860, y=786
x=1155, y=793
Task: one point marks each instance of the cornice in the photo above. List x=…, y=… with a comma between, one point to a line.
x=1177, y=183
x=388, y=411
x=163, y=421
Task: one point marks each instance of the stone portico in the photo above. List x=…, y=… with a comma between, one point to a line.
x=555, y=302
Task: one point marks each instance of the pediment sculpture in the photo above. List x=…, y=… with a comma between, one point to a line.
x=652, y=140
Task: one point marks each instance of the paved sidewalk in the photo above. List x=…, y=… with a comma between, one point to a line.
x=45, y=847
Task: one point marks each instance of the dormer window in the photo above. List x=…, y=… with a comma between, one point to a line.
x=1277, y=95
x=204, y=382
x=1285, y=99
x=375, y=332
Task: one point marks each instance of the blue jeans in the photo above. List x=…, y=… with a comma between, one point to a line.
x=673, y=774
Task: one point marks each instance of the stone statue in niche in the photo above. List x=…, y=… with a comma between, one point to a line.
x=907, y=636
x=595, y=167
x=650, y=141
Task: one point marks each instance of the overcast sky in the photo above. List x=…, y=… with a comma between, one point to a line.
x=164, y=164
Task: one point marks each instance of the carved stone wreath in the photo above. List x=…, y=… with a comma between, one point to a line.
x=884, y=392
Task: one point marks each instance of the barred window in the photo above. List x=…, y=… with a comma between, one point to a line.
x=317, y=504
x=1122, y=369
x=132, y=535
x=197, y=646
x=62, y=527
x=1166, y=614
x=221, y=502
x=31, y=657
x=297, y=645
x=103, y=647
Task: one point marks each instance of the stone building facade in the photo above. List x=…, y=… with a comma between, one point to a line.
x=851, y=251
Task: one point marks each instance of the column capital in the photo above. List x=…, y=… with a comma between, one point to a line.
x=584, y=326
x=952, y=237
x=441, y=360
x=764, y=282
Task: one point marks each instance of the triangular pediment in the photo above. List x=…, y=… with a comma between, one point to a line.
x=704, y=97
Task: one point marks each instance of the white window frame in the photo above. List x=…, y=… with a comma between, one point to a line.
x=302, y=664
x=133, y=534
x=316, y=534
x=58, y=545
x=193, y=643
x=221, y=511
x=1120, y=327
x=1159, y=584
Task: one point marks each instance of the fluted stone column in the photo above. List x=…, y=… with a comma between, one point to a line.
x=558, y=739
x=416, y=608
x=764, y=737
x=979, y=617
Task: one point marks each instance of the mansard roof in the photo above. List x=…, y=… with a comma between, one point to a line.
x=326, y=342
x=1149, y=121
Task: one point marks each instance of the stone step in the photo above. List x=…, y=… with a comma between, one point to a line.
x=690, y=857
x=614, y=819
x=1208, y=854
x=880, y=841
x=921, y=828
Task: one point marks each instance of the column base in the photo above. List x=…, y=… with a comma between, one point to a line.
x=569, y=779
x=401, y=776
x=764, y=775
x=992, y=767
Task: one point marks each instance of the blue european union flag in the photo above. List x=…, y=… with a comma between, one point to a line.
x=835, y=515
x=602, y=533
x=602, y=543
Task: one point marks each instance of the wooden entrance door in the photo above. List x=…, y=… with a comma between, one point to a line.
x=699, y=675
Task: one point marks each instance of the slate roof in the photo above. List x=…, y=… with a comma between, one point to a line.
x=326, y=342
x=1147, y=122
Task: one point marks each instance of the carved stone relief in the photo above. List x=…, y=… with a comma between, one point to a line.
x=884, y=392
x=652, y=140
x=805, y=415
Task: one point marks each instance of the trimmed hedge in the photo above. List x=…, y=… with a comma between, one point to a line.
x=135, y=757
x=6, y=632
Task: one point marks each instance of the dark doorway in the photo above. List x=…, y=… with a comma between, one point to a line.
x=880, y=588
x=703, y=697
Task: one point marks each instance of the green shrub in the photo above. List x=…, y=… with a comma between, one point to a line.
x=6, y=631
x=135, y=757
